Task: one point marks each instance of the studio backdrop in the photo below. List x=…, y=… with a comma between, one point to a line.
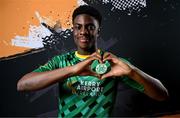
x=146, y=32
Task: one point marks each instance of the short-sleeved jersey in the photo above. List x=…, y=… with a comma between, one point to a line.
x=85, y=96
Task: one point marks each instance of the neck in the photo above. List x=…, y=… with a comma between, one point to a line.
x=84, y=56
x=87, y=51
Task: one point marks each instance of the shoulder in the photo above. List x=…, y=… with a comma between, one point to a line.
x=68, y=55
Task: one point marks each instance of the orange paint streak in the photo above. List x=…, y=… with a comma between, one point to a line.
x=17, y=15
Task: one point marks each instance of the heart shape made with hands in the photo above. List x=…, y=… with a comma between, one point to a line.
x=100, y=68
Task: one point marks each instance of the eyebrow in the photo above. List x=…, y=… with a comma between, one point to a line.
x=85, y=24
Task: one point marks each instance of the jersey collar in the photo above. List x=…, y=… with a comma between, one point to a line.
x=82, y=57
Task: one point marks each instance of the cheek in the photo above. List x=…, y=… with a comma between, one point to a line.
x=95, y=35
x=75, y=33
x=75, y=36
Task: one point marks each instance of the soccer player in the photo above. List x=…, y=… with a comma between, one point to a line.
x=83, y=92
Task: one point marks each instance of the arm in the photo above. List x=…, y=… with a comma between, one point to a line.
x=152, y=87
x=39, y=80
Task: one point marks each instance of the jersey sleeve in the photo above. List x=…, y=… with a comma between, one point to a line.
x=130, y=82
x=133, y=84
x=50, y=65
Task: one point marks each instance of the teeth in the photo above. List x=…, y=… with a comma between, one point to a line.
x=83, y=40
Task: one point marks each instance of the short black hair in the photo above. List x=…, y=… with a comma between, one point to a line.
x=89, y=10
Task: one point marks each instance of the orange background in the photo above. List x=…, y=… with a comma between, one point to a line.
x=17, y=15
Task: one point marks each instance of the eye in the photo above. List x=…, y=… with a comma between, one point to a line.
x=77, y=27
x=91, y=27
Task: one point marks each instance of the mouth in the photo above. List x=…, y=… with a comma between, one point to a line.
x=84, y=40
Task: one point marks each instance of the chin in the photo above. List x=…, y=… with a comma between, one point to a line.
x=85, y=48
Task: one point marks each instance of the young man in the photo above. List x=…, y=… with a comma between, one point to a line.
x=83, y=92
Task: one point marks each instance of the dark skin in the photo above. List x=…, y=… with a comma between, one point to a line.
x=86, y=31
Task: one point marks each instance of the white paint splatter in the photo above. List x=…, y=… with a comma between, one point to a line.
x=34, y=38
x=81, y=2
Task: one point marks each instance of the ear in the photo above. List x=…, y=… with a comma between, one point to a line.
x=99, y=30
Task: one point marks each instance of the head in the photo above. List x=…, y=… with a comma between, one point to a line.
x=86, y=28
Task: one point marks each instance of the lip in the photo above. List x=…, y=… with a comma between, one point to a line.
x=83, y=40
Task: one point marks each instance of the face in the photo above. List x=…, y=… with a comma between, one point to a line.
x=86, y=32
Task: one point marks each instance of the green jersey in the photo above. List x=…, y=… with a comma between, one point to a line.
x=85, y=96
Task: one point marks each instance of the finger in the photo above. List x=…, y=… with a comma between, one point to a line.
x=96, y=75
x=90, y=73
x=107, y=55
x=97, y=57
x=90, y=59
x=106, y=75
x=113, y=59
x=110, y=59
x=100, y=55
x=96, y=54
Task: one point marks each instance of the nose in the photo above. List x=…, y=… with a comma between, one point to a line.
x=83, y=31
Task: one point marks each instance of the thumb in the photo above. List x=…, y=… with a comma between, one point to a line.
x=91, y=73
x=96, y=75
x=106, y=75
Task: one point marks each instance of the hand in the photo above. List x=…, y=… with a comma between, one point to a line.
x=83, y=68
x=118, y=67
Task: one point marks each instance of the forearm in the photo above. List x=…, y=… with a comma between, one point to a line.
x=39, y=80
x=152, y=87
